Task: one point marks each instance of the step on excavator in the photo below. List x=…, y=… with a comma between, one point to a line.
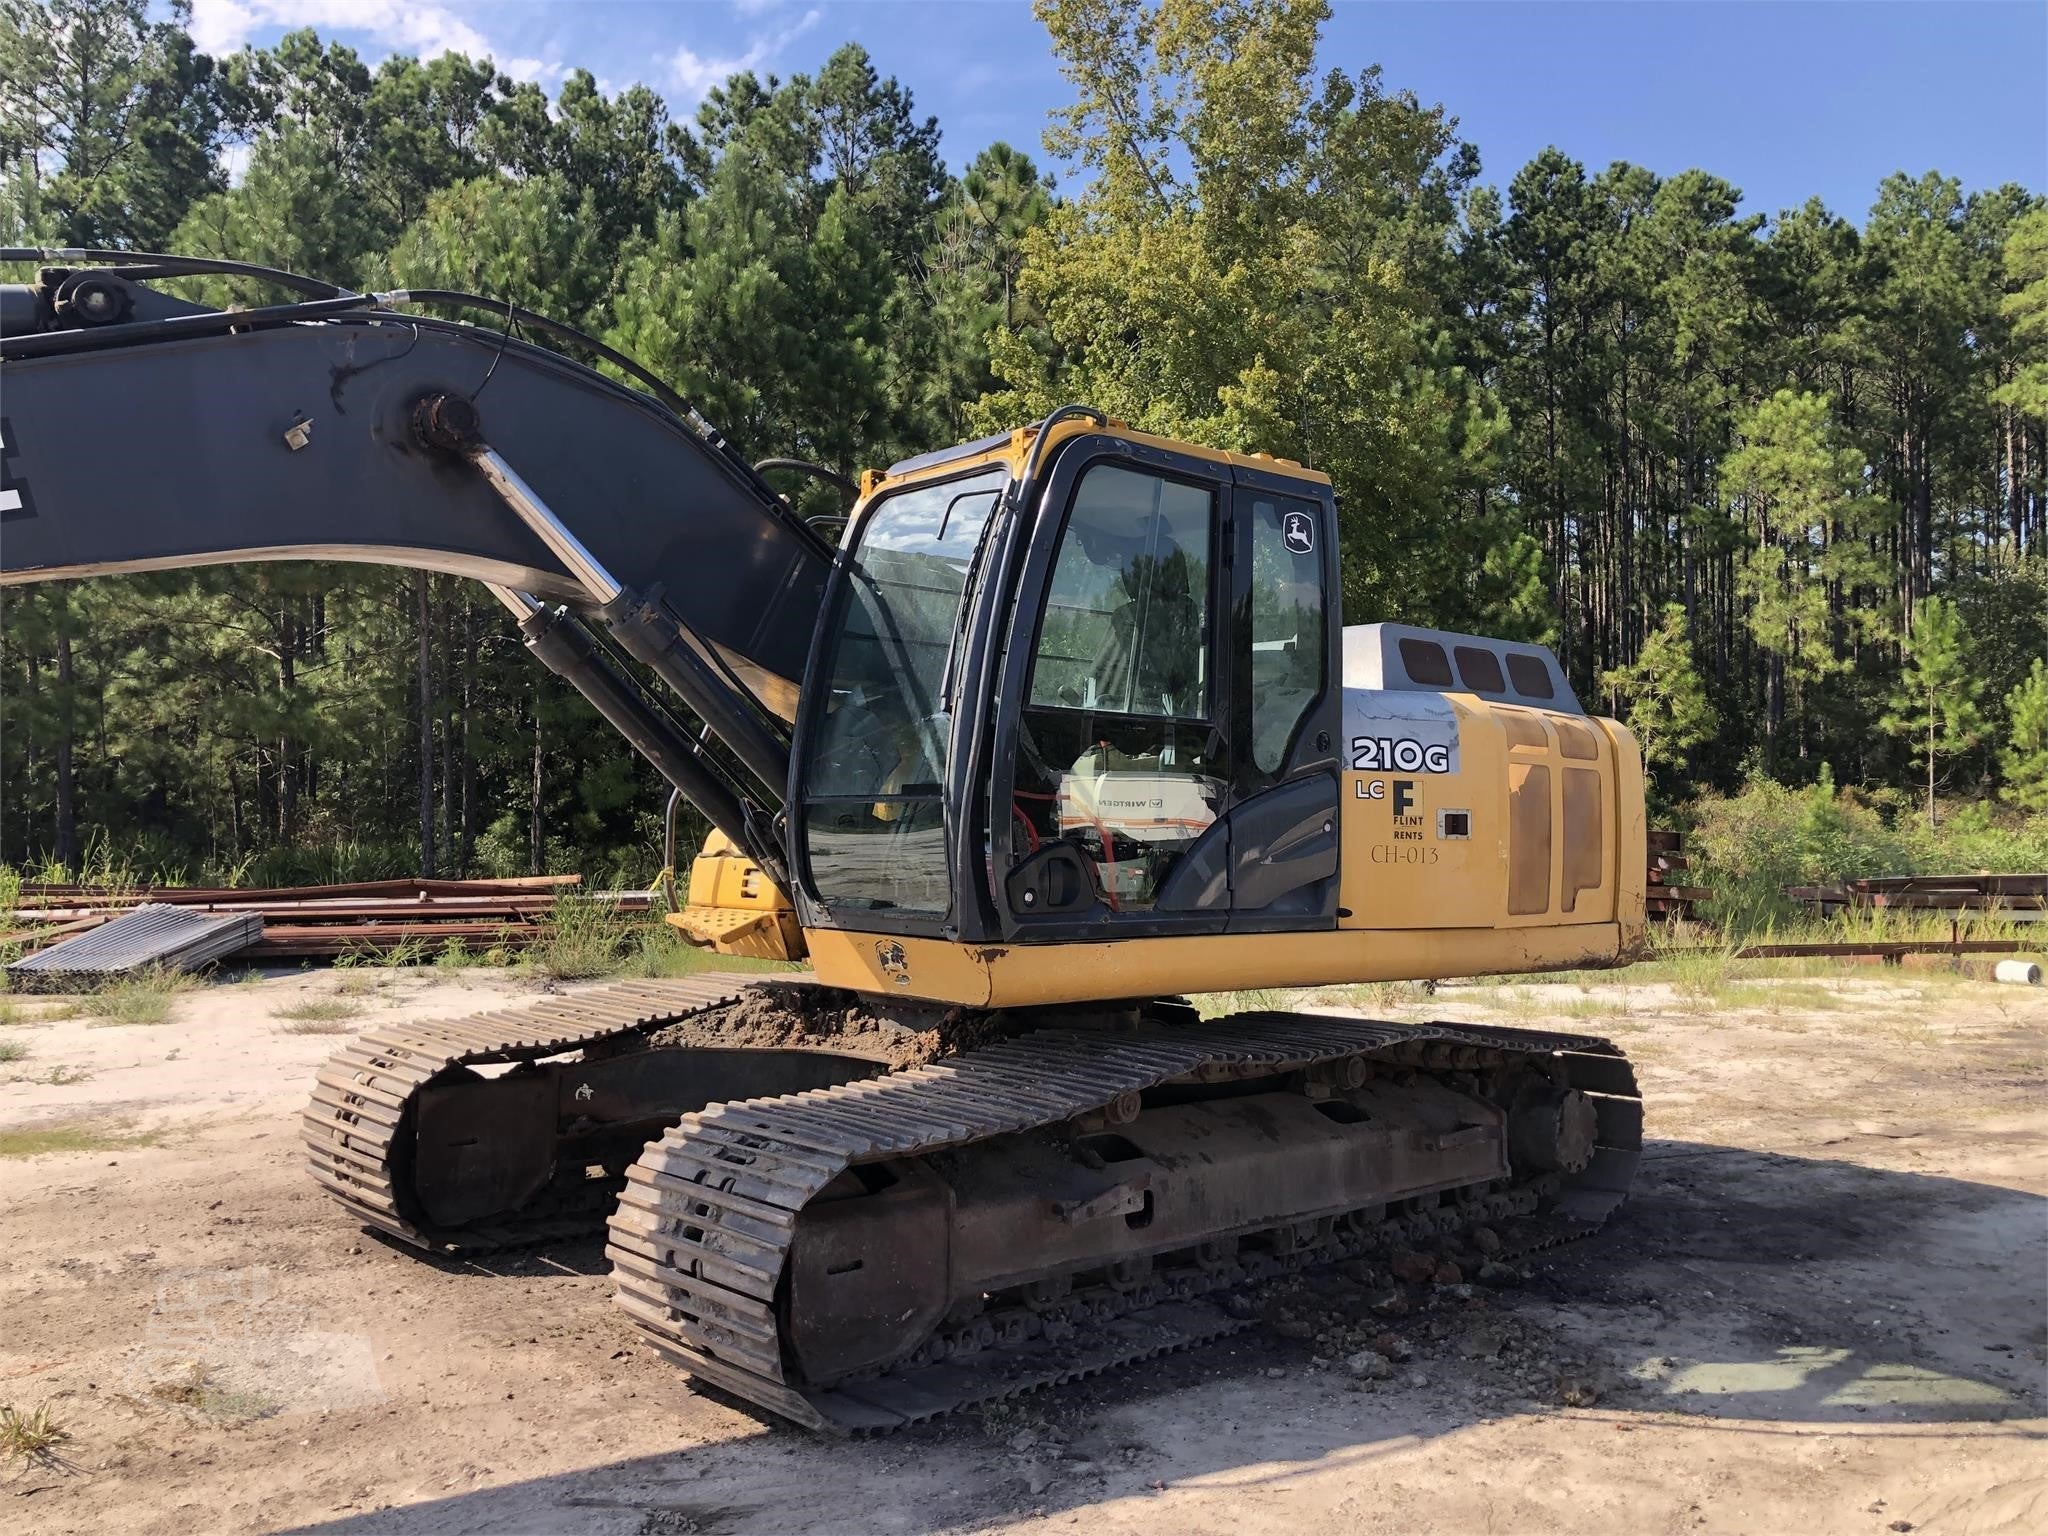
x=1049, y=732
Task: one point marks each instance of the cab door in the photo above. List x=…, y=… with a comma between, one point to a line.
x=1115, y=760
x=1165, y=760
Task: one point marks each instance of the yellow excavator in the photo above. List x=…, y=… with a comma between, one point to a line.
x=1047, y=733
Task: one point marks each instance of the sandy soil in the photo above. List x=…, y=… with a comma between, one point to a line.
x=1824, y=1312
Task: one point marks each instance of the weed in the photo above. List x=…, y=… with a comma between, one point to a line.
x=73, y=1136
x=30, y=1438
x=655, y=951
x=144, y=998
x=584, y=938
x=59, y=1076
x=319, y=1010
x=1697, y=975
x=198, y=1391
x=1810, y=997
x=1387, y=996
x=405, y=952
x=1213, y=1005
x=1518, y=1003
x=1746, y=997
x=1589, y=1008
x=12, y=1050
x=360, y=986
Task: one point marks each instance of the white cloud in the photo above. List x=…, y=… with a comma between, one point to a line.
x=541, y=71
x=693, y=74
x=423, y=28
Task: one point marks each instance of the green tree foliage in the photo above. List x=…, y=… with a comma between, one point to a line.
x=2024, y=758
x=971, y=277
x=1663, y=699
x=2025, y=309
x=109, y=122
x=1246, y=267
x=783, y=299
x=1934, y=708
x=1808, y=576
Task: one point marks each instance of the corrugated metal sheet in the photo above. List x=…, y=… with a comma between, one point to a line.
x=175, y=937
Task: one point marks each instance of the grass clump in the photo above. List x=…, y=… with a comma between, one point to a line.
x=587, y=938
x=12, y=1050
x=60, y=1076
x=584, y=939
x=456, y=955
x=1697, y=975
x=1215, y=1005
x=319, y=1010
x=30, y=1439
x=198, y=1391
x=73, y=1136
x=144, y=998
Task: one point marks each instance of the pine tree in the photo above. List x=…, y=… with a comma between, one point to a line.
x=1661, y=696
x=1800, y=489
x=2024, y=758
x=1934, y=709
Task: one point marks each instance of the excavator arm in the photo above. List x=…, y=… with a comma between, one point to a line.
x=142, y=432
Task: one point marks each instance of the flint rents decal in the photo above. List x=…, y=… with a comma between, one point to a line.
x=1390, y=731
x=1407, y=819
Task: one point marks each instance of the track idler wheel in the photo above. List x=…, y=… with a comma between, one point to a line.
x=1552, y=1131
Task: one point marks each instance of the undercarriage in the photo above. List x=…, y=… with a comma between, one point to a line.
x=872, y=1226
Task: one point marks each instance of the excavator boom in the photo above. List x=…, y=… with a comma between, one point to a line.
x=142, y=433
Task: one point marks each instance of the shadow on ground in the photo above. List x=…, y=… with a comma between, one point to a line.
x=1751, y=1293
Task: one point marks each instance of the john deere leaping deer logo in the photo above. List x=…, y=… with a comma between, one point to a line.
x=895, y=964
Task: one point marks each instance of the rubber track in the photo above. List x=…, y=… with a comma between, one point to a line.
x=699, y=1239
x=357, y=1119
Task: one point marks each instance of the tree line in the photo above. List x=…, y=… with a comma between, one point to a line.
x=1771, y=484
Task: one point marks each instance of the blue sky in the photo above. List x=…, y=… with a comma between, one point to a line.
x=1785, y=100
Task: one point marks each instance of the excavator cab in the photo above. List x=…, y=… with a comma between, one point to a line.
x=1069, y=710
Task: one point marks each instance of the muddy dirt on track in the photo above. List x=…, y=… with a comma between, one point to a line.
x=1823, y=1312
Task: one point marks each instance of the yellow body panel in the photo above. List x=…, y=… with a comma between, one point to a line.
x=1400, y=871
x=1021, y=975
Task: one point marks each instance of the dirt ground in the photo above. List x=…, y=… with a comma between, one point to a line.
x=1822, y=1312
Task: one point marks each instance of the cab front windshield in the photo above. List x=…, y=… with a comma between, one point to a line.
x=874, y=772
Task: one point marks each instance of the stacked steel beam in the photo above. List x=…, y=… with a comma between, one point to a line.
x=369, y=918
x=1667, y=895
x=2016, y=898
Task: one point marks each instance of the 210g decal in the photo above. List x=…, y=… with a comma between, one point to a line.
x=1398, y=754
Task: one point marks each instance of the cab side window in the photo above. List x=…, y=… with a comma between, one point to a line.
x=1289, y=654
